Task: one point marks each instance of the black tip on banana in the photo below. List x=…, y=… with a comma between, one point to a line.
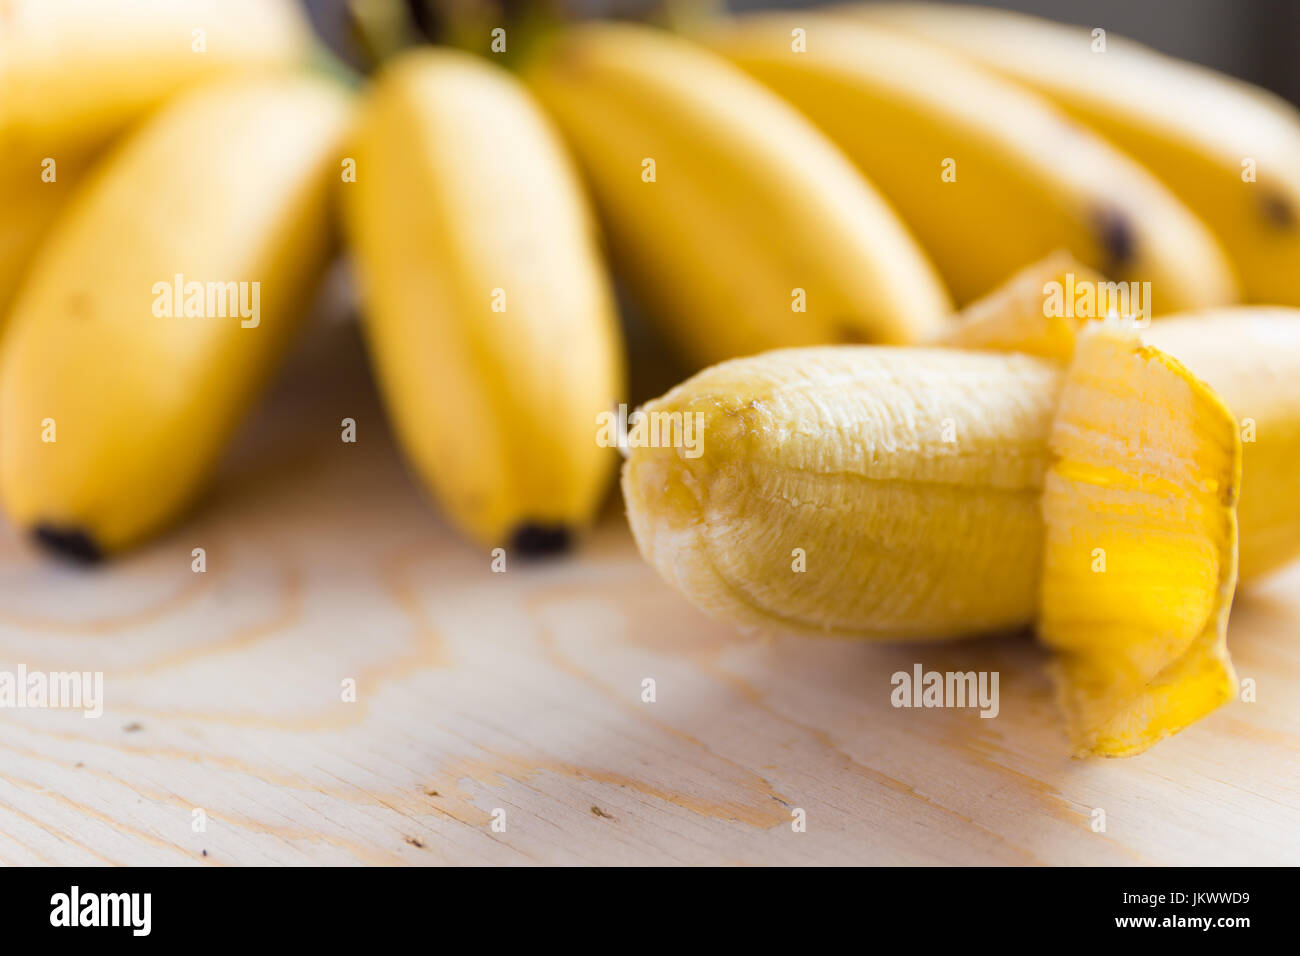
x=539, y=540
x=1117, y=236
x=69, y=543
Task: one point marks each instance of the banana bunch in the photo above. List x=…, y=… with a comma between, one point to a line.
x=802, y=198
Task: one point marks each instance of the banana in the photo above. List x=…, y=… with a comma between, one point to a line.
x=988, y=175
x=74, y=73
x=904, y=493
x=490, y=319
x=1229, y=150
x=728, y=214
x=159, y=305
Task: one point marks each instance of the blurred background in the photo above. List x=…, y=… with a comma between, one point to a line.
x=1256, y=40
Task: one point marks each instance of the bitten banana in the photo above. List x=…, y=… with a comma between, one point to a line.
x=489, y=315
x=74, y=73
x=1229, y=150
x=159, y=305
x=731, y=217
x=988, y=175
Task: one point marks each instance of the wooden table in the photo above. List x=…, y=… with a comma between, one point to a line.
x=479, y=692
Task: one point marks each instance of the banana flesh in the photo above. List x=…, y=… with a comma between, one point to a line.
x=1229, y=150
x=987, y=174
x=755, y=232
x=75, y=73
x=908, y=478
x=490, y=320
x=112, y=411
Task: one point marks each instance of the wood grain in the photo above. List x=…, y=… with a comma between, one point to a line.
x=522, y=691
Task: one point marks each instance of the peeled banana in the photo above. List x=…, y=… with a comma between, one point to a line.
x=1229, y=150
x=730, y=216
x=988, y=175
x=895, y=493
x=74, y=73
x=159, y=305
x=490, y=319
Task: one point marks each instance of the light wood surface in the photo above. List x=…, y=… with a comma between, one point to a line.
x=522, y=691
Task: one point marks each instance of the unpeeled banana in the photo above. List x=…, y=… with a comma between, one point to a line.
x=730, y=215
x=74, y=73
x=158, y=306
x=988, y=175
x=489, y=316
x=1229, y=150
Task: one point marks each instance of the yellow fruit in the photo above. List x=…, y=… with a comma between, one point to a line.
x=903, y=493
x=489, y=315
x=988, y=175
x=74, y=73
x=112, y=411
x=739, y=225
x=1229, y=150
x=1139, y=565
x=908, y=478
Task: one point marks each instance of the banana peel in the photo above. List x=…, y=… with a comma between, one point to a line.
x=1140, y=560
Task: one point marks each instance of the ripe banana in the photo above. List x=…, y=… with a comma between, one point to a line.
x=907, y=493
x=159, y=305
x=1229, y=150
x=490, y=318
x=74, y=73
x=988, y=175
x=730, y=216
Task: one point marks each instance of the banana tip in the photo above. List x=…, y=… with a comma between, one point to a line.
x=541, y=540
x=72, y=544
